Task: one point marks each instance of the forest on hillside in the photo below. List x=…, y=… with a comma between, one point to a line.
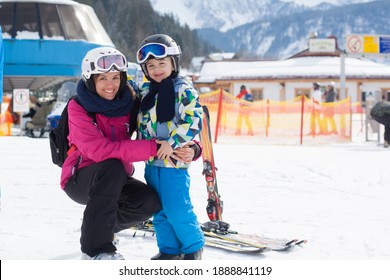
x=128, y=22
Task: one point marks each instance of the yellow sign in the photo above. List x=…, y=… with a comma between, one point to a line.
x=371, y=44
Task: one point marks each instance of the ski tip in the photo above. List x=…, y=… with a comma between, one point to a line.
x=301, y=242
x=292, y=242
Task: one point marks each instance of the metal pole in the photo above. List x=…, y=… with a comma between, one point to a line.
x=342, y=76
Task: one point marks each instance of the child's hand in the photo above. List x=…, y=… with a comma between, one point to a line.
x=184, y=154
x=165, y=150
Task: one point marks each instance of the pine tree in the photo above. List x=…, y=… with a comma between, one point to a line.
x=128, y=22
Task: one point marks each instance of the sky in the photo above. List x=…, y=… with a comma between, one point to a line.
x=336, y=196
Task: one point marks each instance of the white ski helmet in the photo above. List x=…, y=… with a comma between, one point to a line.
x=102, y=60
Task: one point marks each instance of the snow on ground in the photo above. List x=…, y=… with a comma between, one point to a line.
x=335, y=196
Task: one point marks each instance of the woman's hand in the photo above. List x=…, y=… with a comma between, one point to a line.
x=165, y=150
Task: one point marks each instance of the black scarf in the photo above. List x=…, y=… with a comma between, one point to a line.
x=92, y=102
x=165, y=107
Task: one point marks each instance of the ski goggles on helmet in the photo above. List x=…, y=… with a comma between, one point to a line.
x=107, y=62
x=156, y=50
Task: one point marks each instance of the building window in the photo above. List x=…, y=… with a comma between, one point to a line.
x=71, y=22
x=26, y=25
x=51, y=24
x=301, y=91
x=385, y=94
x=257, y=93
x=6, y=19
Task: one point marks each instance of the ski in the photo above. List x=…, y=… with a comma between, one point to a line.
x=228, y=243
x=232, y=241
x=211, y=240
x=247, y=244
x=220, y=230
x=236, y=248
x=214, y=206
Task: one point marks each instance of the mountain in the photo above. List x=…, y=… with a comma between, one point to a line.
x=223, y=15
x=275, y=28
x=128, y=22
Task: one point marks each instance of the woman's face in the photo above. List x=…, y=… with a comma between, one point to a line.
x=107, y=84
x=159, y=69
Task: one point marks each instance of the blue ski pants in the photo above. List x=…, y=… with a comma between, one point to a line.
x=176, y=225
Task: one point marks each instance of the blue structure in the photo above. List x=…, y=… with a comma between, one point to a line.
x=45, y=41
x=1, y=67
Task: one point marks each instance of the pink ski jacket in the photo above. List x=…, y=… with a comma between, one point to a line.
x=106, y=140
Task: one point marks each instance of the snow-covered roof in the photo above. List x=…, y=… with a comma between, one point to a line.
x=221, y=56
x=197, y=61
x=303, y=67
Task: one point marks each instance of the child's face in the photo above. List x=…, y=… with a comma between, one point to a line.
x=107, y=84
x=159, y=69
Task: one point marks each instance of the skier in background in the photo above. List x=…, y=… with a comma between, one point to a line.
x=315, y=117
x=330, y=97
x=170, y=111
x=244, y=112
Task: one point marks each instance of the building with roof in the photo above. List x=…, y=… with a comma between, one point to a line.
x=288, y=78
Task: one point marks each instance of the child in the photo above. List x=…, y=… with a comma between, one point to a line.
x=244, y=111
x=170, y=111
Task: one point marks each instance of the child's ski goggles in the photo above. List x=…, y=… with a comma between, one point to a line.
x=157, y=51
x=106, y=62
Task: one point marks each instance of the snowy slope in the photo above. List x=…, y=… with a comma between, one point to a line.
x=335, y=196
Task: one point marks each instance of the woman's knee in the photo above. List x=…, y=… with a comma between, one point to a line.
x=153, y=204
x=114, y=166
x=113, y=169
x=110, y=177
x=140, y=197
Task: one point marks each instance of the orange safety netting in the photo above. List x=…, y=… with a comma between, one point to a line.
x=293, y=121
x=6, y=123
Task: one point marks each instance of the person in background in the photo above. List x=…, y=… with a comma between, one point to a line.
x=330, y=97
x=39, y=118
x=244, y=112
x=380, y=112
x=170, y=111
x=99, y=167
x=315, y=117
x=34, y=107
